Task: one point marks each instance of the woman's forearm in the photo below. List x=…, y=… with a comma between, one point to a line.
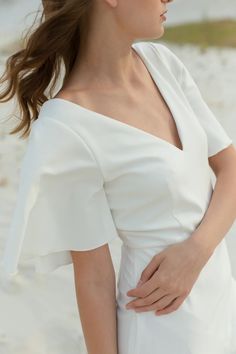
x=220, y=214
x=97, y=309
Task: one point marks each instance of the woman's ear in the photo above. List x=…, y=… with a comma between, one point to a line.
x=112, y=3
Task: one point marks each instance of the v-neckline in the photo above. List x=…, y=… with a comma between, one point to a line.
x=152, y=72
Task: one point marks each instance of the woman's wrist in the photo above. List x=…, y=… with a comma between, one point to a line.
x=201, y=242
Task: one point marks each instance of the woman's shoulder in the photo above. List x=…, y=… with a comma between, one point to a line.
x=60, y=113
x=56, y=134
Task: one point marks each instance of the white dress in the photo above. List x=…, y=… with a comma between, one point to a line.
x=87, y=178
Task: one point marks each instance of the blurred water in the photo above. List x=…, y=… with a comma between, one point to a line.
x=180, y=11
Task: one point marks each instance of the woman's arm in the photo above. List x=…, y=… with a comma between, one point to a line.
x=221, y=212
x=96, y=297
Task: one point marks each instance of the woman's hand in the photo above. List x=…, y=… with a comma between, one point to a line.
x=169, y=277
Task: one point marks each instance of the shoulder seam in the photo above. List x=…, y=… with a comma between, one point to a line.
x=83, y=140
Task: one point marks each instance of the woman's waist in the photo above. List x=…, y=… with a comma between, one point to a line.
x=153, y=238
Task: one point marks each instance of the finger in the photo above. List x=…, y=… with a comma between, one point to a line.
x=157, y=305
x=174, y=305
x=151, y=267
x=165, y=301
x=145, y=289
x=148, y=300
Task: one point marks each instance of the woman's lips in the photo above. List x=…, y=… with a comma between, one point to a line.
x=164, y=12
x=163, y=17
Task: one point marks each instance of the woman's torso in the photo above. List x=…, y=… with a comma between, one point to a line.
x=158, y=195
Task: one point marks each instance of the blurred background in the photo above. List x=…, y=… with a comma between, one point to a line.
x=39, y=314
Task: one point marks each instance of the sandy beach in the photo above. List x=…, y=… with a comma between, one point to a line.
x=39, y=313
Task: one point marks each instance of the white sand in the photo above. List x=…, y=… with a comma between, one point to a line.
x=39, y=314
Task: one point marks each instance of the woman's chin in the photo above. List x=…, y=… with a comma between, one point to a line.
x=160, y=31
x=155, y=33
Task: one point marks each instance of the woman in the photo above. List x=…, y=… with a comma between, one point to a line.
x=124, y=149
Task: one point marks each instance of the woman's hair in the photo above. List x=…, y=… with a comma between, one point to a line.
x=35, y=68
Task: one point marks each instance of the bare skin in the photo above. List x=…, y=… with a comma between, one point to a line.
x=129, y=103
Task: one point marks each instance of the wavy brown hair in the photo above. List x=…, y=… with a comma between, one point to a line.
x=36, y=67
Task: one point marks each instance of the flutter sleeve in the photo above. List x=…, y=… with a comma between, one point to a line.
x=61, y=204
x=218, y=139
